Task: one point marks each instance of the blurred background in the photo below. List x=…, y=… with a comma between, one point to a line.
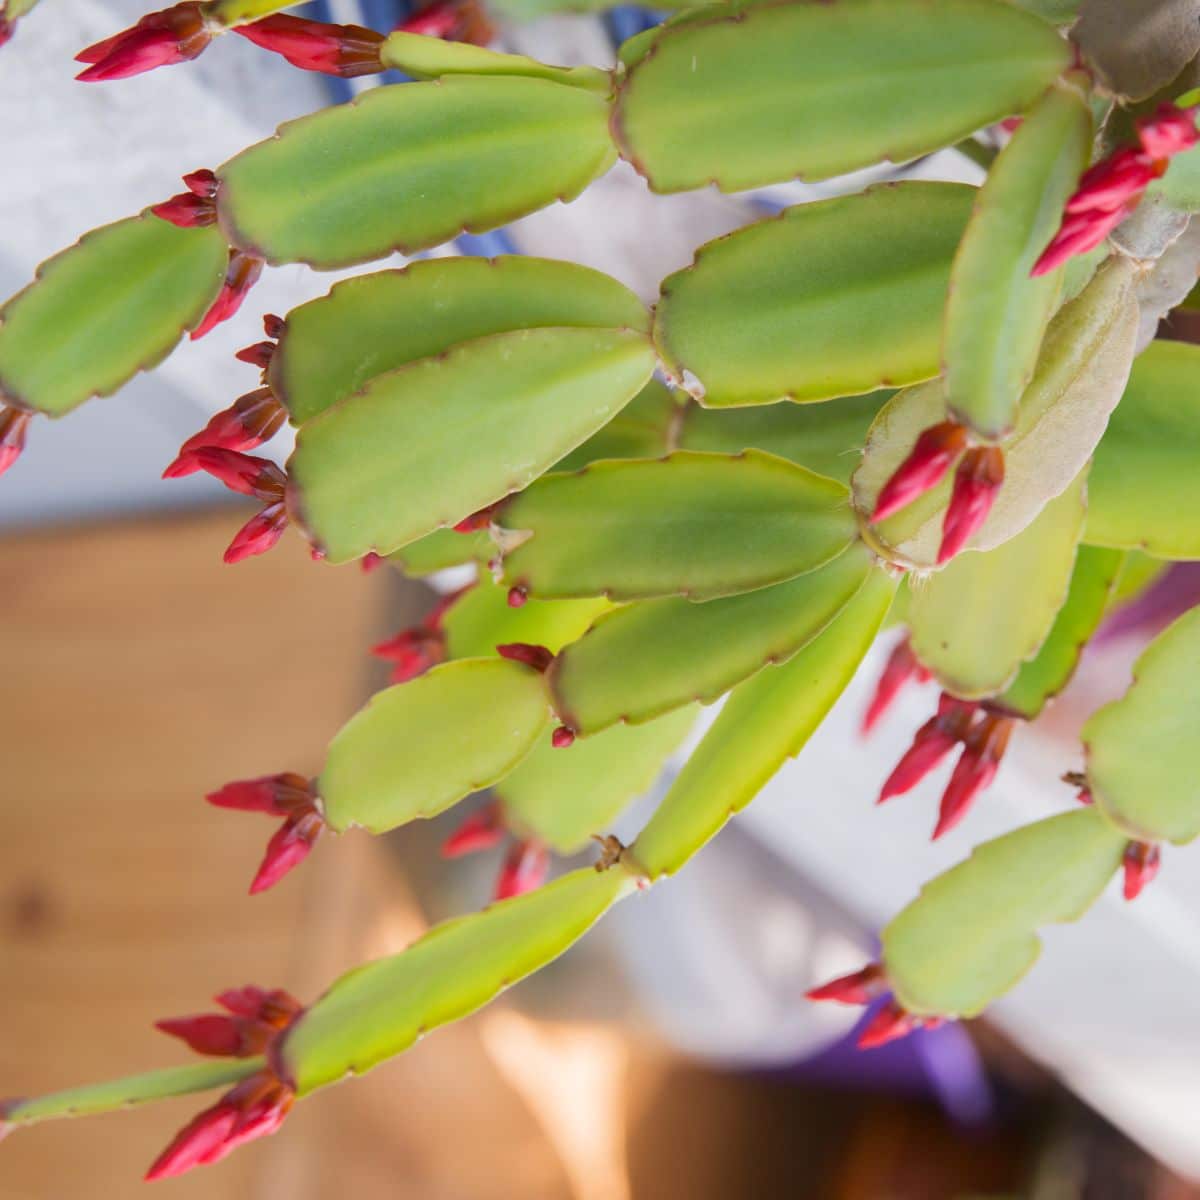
x=671, y=1054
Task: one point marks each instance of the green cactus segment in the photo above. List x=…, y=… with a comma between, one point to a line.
x=1046, y=674
x=112, y=305
x=971, y=934
x=430, y=443
x=646, y=659
x=413, y=165
x=239, y=12
x=482, y=619
x=332, y=347
x=766, y=721
x=441, y=549
x=825, y=438
x=996, y=314
x=12, y=9
x=691, y=524
x=1138, y=574
x=836, y=86
x=645, y=428
x=434, y=58
x=564, y=798
x=382, y=1008
x=1145, y=489
x=976, y=622
x=1081, y=372
x=419, y=747
x=1140, y=749
x=828, y=299
x=125, y=1093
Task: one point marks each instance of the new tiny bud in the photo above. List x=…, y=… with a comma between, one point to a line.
x=517, y=596
x=537, y=657
x=562, y=737
x=1140, y=862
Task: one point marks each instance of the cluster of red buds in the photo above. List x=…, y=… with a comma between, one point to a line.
x=252, y=1024
x=251, y=476
x=863, y=987
x=1112, y=189
x=1141, y=860
x=421, y=647
x=976, y=483
x=14, y=425
x=902, y=667
x=160, y=39
x=984, y=737
x=526, y=862
x=286, y=795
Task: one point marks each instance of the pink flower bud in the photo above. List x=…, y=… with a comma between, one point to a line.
x=258, y=355
x=212, y=1034
x=244, y=473
x=859, y=987
x=258, y=534
x=7, y=29
x=287, y=849
x=159, y=39
x=517, y=596
x=930, y=459
x=562, y=737
x=480, y=831
x=240, y=276
x=976, y=483
x=537, y=657
x=278, y=795
x=888, y=1024
x=343, y=50
x=414, y=651
x=251, y=420
x=438, y=20
x=901, y=667
x=975, y=769
x=14, y=427
x=1141, y=862
x=187, y=211
x=933, y=741
x=202, y=182
x=525, y=869
x=1168, y=132
x=370, y=562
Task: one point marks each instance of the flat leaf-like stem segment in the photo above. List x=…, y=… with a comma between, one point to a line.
x=1081, y=372
x=382, y=1008
x=1141, y=749
x=1093, y=583
x=997, y=313
x=827, y=299
x=132, y=1090
x=430, y=443
x=835, y=86
x=332, y=347
x=1144, y=490
x=443, y=548
x=692, y=524
x=420, y=747
x=108, y=307
x=412, y=165
x=648, y=658
x=646, y=427
x=975, y=622
x=971, y=934
x=766, y=721
x=565, y=798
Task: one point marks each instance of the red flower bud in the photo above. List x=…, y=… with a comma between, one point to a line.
x=480, y=831
x=1169, y=131
x=251, y=420
x=859, y=987
x=478, y=520
x=517, y=596
x=213, y=1034
x=370, y=562
x=975, y=769
x=159, y=39
x=888, y=1024
x=1141, y=862
x=438, y=20
x=933, y=741
x=537, y=657
x=525, y=869
x=244, y=473
x=901, y=666
x=343, y=50
x=258, y=355
x=258, y=534
x=14, y=427
x=7, y=29
x=562, y=737
x=187, y=211
x=240, y=276
x=414, y=651
x=288, y=848
x=930, y=459
x=976, y=483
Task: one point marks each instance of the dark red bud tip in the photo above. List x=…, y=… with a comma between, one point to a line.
x=859, y=987
x=273, y=326
x=342, y=50
x=478, y=520
x=244, y=473
x=211, y=1034
x=187, y=210
x=537, y=657
x=7, y=29
x=414, y=651
x=888, y=1024
x=316, y=554
x=930, y=459
x=974, y=771
x=1141, y=862
x=902, y=666
x=159, y=39
x=976, y=483
x=370, y=562
x=562, y=737
x=202, y=182
x=525, y=869
x=258, y=534
x=1085, y=798
x=257, y=355
x=240, y=276
x=933, y=741
x=480, y=831
x=517, y=596
x=14, y=428
x=287, y=849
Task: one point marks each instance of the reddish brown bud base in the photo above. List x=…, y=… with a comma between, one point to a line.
x=931, y=457
x=902, y=666
x=240, y=276
x=525, y=868
x=342, y=50
x=482, y=830
x=1140, y=862
x=159, y=39
x=976, y=483
x=14, y=427
x=537, y=657
x=251, y=420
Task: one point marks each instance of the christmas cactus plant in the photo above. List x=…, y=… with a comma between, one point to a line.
x=659, y=501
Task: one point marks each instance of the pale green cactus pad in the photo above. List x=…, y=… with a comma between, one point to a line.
x=767, y=720
x=1144, y=491
x=420, y=747
x=380, y=1009
x=645, y=659
x=644, y=428
x=1042, y=874
x=430, y=443
x=996, y=314
x=443, y=548
x=692, y=524
x=836, y=86
x=1139, y=748
x=332, y=347
x=979, y=619
x=828, y=299
x=412, y=165
x=112, y=305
